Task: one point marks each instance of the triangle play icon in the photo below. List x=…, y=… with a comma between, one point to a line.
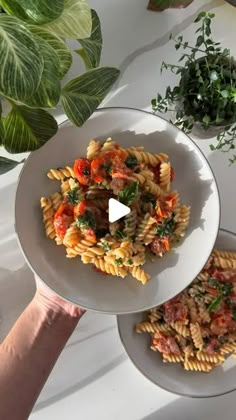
x=116, y=210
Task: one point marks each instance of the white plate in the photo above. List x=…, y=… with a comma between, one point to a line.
x=80, y=283
x=173, y=377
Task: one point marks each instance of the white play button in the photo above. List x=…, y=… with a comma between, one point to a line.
x=116, y=210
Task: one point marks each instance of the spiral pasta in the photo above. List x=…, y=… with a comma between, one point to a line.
x=77, y=215
x=146, y=157
x=183, y=221
x=139, y=274
x=61, y=173
x=224, y=262
x=48, y=214
x=172, y=358
x=197, y=365
x=197, y=327
x=165, y=176
x=216, y=358
x=180, y=328
x=93, y=148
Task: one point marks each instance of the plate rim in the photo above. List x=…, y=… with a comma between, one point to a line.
x=100, y=110
x=182, y=394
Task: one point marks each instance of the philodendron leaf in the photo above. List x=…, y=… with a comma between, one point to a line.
x=82, y=95
x=21, y=62
x=74, y=22
x=59, y=46
x=7, y=165
x=27, y=129
x=13, y=8
x=48, y=93
x=37, y=11
x=92, y=47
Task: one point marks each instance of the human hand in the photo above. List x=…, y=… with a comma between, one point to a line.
x=50, y=301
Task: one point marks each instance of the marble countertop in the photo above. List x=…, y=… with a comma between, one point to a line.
x=93, y=378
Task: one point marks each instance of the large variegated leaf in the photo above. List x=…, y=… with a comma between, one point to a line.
x=37, y=11
x=82, y=95
x=48, y=93
x=13, y=8
x=92, y=47
x=59, y=46
x=7, y=165
x=27, y=129
x=21, y=63
x=74, y=22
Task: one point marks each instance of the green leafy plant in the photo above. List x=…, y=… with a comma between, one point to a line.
x=34, y=59
x=159, y=5
x=206, y=93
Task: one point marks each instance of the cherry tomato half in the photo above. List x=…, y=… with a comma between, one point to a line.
x=82, y=170
x=63, y=218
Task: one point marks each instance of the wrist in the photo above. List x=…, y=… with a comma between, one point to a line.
x=53, y=309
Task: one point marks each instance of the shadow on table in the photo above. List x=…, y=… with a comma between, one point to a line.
x=196, y=409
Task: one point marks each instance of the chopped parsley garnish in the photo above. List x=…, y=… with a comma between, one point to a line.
x=86, y=171
x=106, y=247
x=73, y=196
x=148, y=198
x=214, y=305
x=118, y=261
x=131, y=162
x=107, y=166
x=129, y=261
x=166, y=228
x=86, y=221
x=128, y=194
x=120, y=234
x=225, y=289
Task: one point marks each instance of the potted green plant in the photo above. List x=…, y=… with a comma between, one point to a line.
x=160, y=5
x=206, y=93
x=35, y=58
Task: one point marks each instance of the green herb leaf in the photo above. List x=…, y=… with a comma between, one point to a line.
x=129, y=193
x=92, y=47
x=131, y=162
x=82, y=95
x=214, y=304
x=106, y=247
x=27, y=129
x=73, y=196
x=166, y=228
x=120, y=234
x=118, y=261
x=149, y=198
x=129, y=261
x=107, y=166
x=7, y=164
x=86, y=221
x=21, y=61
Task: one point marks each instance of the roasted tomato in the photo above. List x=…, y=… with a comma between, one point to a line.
x=101, y=166
x=63, y=218
x=166, y=344
x=220, y=325
x=175, y=311
x=82, y=170
x=110, y=163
